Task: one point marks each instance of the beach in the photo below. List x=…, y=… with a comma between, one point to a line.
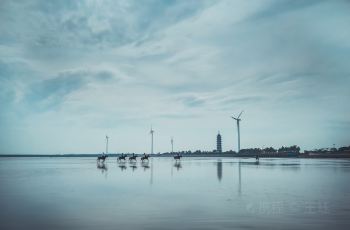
x=193, y=193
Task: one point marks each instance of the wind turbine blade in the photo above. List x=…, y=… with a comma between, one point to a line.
x=240, y=115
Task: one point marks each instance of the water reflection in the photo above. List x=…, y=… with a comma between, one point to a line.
x=271, y=164
x=171, y=166
x=102, y=166
x=133, y=166
x=240, y=165
x=273, y=192
x=145, y=165
x=178, y=165
x=122, y=166
x=151, y=179
x=239, y=178
x=219, y=169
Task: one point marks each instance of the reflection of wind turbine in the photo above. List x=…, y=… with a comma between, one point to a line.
x=107, y=144
x=151, y=179
x=151, y=132
x=239, y=178
x=239, y=137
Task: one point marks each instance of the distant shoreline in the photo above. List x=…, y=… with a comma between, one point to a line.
x=304, y=156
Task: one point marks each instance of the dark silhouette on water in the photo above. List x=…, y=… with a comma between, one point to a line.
x=102, y=157
x=177, y=157
x=145, y=157
x=133, y=157
x=122, y=157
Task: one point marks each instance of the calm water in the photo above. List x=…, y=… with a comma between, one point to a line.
x=196, y=193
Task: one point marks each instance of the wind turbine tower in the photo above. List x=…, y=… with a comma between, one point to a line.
x=151, y=132
x=107, y=137
x=239, y=135
x=172, y=144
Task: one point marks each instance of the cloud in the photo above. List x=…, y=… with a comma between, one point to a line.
x=178, y=116
x=192, y=101
x=103, y=66
x=52, y=92
x=282, y=7
x=87, y=25
x=247, y=99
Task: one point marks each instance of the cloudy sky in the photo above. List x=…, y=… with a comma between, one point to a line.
x=73, y=71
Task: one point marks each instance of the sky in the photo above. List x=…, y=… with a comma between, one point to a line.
x=73, y=71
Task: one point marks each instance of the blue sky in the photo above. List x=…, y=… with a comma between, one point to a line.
x=73, y=71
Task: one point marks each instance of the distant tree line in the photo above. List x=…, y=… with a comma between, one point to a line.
x=294, y=149
x=345, y=149
x=271, y=150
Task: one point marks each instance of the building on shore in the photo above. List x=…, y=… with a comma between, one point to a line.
x=218, y=143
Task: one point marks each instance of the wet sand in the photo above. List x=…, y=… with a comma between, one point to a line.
x=194, y=193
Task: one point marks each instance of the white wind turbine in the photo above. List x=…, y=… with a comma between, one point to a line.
x=151, y=132
x=107, y=137
x=239, y=135
x=172, y=144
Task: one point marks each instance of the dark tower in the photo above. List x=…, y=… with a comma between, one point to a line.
x=218, y=143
